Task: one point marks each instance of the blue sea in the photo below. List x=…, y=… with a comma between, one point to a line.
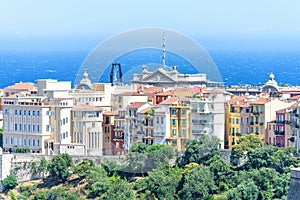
x=235, y=67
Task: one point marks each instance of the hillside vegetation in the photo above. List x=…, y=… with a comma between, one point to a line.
x=158, y=172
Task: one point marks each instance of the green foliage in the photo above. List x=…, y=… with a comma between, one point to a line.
x=111, y=167
x=160, y=184
x=247, y=190
x=197, y=184
x=12, y=195
x=59, y=166
x=41, y=195
x=83, y=168
x=221, y=171
x=244, y=145
x=281, y=185
x=200, y=151
x=27, y=191
x=143, y=158
x=43, y=166
x=261, y=157
x=10, y=182
x=119, y=190
x=21, y=150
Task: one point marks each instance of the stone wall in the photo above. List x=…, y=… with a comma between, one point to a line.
x=294, y=193
x=25, y=166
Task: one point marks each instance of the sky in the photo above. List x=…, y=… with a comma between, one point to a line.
x=215, y=24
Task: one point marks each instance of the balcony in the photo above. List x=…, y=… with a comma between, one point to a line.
x=118, y=137
x=140, y=132
x=255, y=113
x=251, y=123
x=261, y=123
x=276, y=132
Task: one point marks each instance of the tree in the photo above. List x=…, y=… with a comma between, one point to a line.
x=10, y=182
x=244, y=145
x=247, y=190
x=119, y=190
x=221, y=171
x=200, y=151
x=261, y=157
x=59, y=166
x=160, y=184
x=197, y=184
x=83, y=168
x=159, y=155
x=43, y=166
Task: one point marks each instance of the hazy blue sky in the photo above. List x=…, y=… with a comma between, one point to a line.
x=216, y=24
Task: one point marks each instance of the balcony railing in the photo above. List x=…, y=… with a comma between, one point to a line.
x=276, y=132
x=118, y=137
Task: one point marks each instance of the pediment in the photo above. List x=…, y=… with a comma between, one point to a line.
x=158, y=76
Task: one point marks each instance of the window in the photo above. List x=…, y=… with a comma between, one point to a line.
x=67, y=134
x=67, y=120
x=93, y=125
x=174, y=132
x=28, y=112
x=157, y=120
x=11, y=140
x=20, y=112
x=25, y=127
x=173, y=122
x=16, y=127
x=183, y=132
x=33, y=142
x=24, y=112
x=6, y=140
x=38, y=142
x=183, y=122
x=25, y=142
x=29, y=127
x=33, y=128
x=237, y=121
x=64, y=135
x=38, y=113
x=174, y=111
x=29, y=142
x=16, y=112
x=162, y=120
x=33, y=113
x=183, y=112
x=20, y=127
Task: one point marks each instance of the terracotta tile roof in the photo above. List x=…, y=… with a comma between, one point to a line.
x=237, y=100
x=22, y=86
x=296, y=104
x=169, y=101
x=136, y=104
x=166, y=93
x=260, y=101
x=197, y=89
x=217, y=91
x=149, y=90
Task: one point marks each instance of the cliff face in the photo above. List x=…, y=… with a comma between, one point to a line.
x=294, y=193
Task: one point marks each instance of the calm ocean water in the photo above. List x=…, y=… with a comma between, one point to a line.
x=236, y=67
